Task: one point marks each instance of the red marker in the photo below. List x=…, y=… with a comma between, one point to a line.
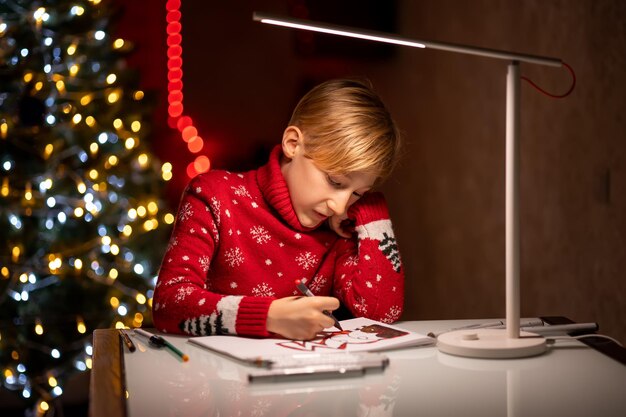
x=306, y=291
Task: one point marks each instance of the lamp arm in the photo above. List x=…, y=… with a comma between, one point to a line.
x=384, y=37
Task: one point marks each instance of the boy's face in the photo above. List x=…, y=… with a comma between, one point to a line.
x=317, y=195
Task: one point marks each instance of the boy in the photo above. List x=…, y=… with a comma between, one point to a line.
x=242, y=239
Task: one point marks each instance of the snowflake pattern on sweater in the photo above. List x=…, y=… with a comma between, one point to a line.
x=237, y=245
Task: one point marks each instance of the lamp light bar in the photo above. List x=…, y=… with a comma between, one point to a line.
x=398, y=40
x=343, y=32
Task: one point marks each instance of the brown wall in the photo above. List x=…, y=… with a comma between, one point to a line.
x=573, y=154
x=447, y=197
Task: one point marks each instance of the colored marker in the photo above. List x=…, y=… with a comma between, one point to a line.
x=129, y=343
x=159, y=342
x=306, y=291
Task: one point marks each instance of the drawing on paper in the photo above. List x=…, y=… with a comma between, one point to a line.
x=341, y=340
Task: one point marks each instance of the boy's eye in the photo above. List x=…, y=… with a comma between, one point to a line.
x=339, y=185
x=333, y=182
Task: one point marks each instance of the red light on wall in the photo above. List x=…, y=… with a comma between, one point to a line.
x=175, y=109
x=202, y=164
x=183, y=122
x=195, y=144
x=188, y=133
x=175, y=96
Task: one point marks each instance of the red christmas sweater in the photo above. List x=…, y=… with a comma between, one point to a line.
x=237, y=245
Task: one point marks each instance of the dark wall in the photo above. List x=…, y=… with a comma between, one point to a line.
x=573, y=182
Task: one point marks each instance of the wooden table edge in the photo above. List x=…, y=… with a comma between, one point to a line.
x=106, y=389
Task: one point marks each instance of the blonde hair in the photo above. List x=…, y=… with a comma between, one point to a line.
x=347, y=128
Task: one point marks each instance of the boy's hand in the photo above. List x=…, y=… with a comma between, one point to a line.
x=300, y=318
x=371, y=206
x=342, y=225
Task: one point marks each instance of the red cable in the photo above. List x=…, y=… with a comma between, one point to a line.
x=555, y=95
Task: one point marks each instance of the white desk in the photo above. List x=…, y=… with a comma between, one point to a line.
x=571, y=379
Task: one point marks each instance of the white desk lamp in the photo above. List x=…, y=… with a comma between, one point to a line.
x=478, y=343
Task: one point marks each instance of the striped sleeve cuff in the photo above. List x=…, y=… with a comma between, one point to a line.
x=252, y=316
x=373, y=207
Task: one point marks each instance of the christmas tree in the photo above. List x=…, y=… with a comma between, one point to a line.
x=82, y=222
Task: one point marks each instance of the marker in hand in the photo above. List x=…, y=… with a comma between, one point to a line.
x=304, y=290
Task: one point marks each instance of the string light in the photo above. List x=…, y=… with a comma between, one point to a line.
x=80, y=325
x=43, y=406
x=175, y=97
x=15, y=253
x=86, y=99
x=166, y=171
x=143, y=160
x=60, y=85
x=38, y=328
x=113, y=96
x=112, y=160
x=4, y=191
x=138, y=319
x=28, y=193
x=77, y=10
x=130, y=143
x=150, y=224
x=41, y=15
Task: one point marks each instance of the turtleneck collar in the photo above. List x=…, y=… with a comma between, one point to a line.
x=274, y=189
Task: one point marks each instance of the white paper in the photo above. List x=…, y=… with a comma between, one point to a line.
x=358, y=335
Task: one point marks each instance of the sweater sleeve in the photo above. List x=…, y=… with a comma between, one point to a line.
x=369, y=278
x=183, y=302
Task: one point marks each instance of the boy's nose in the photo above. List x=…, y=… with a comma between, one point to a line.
x=339, y=204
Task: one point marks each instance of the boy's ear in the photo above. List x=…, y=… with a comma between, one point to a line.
x=291, y=140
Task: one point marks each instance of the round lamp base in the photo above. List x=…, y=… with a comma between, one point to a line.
x=490, y=344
